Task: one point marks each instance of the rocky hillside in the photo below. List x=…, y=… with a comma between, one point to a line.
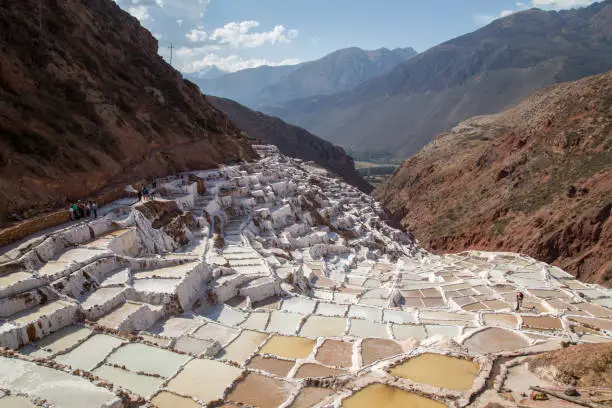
x=535, y=179
x=483, y=72
x=293, y=141
x=87, y=103
x=336, y=72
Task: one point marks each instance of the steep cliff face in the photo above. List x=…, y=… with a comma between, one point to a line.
x=535, y=179
x=86, y=104
x=293, y=141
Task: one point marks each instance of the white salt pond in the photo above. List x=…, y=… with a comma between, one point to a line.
x=151, y=360
x=57, y=387
x=90, y=353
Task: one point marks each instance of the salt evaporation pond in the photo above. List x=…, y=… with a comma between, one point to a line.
x=151, y=360
x=142, y=385
x=288, y=347
x=439, y=370
x=90, y=353
x=385, y=396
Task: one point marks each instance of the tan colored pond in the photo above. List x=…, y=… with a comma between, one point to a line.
x=439, y=370
x=336, y=353
x=16, y=401
x=310, y=370
x=271, y=365
x=384, y=396
x=242, y=347
x=377, y=349
x=508, y=321
x=288, y=347
x=542, y=323
x=260, y=391
x=217, y=377
x=495, y=340
x=168, y=400
x=310, y=396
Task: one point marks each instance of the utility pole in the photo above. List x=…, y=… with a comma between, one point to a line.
x=40, y=17
x=171, y=49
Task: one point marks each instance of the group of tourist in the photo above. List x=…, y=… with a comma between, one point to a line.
x=82, y=209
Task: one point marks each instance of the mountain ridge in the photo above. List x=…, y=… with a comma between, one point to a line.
x=340, y=70
x=535, y=179
x=88, y=105
x=482, y=72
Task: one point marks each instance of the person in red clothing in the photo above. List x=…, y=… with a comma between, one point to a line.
x=519, y=300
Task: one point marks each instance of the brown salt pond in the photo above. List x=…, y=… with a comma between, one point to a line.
x=378, y=349
x=542, y=323
x=385, y=396
x=168, y=400
x=260, y=391
x=508, y=321
x=310, y=396
x=271, y=365
x=439, y=370
x=495, y=340
x=336, y=353
x=310, y=370
x=288, y=347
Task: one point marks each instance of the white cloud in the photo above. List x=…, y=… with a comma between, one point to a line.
x=190, y=60
x=562, y=4
x=140, y=12
x=238, y=34
x=197, y=35
x=233, y=63
x=484, y=19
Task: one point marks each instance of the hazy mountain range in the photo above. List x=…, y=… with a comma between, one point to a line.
x=479, y=73
x=339, y=71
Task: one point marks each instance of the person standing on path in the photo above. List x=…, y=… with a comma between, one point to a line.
x=94, y=209
x=139, y=195
x=519, y=300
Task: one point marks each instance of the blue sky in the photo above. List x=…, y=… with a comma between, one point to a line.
x=238, y=34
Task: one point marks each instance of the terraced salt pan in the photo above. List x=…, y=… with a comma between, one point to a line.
x=156, y=285
x=142, y=385
x=151, y=360
x=368, y=313
x=439, y=370
x=323, y=326
x=382, y=395
x=365, y=328
x=32, y=315
x=311, y=370
x=283, y=322
x=176, y=326
x=240, y=349
x=271, y=365
x=495, y=340
x=541, y=323
x=260, y=391
x=176, y=272
x=335, y=353
x=62, y=339
x=168, y=400
x=508, y=321
x=288, y=347
x=114, y=319
x=409, y=331
x=256, y=321
x=224, y=314
x=195, y=347
x=214, y=331
x=298, y=305
x=378, y=349
x=12, y=401
x=310, y=396
x=215, y=375
x=101, y=296
x=90, y=353
x=54, y=386
x=331, y=309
